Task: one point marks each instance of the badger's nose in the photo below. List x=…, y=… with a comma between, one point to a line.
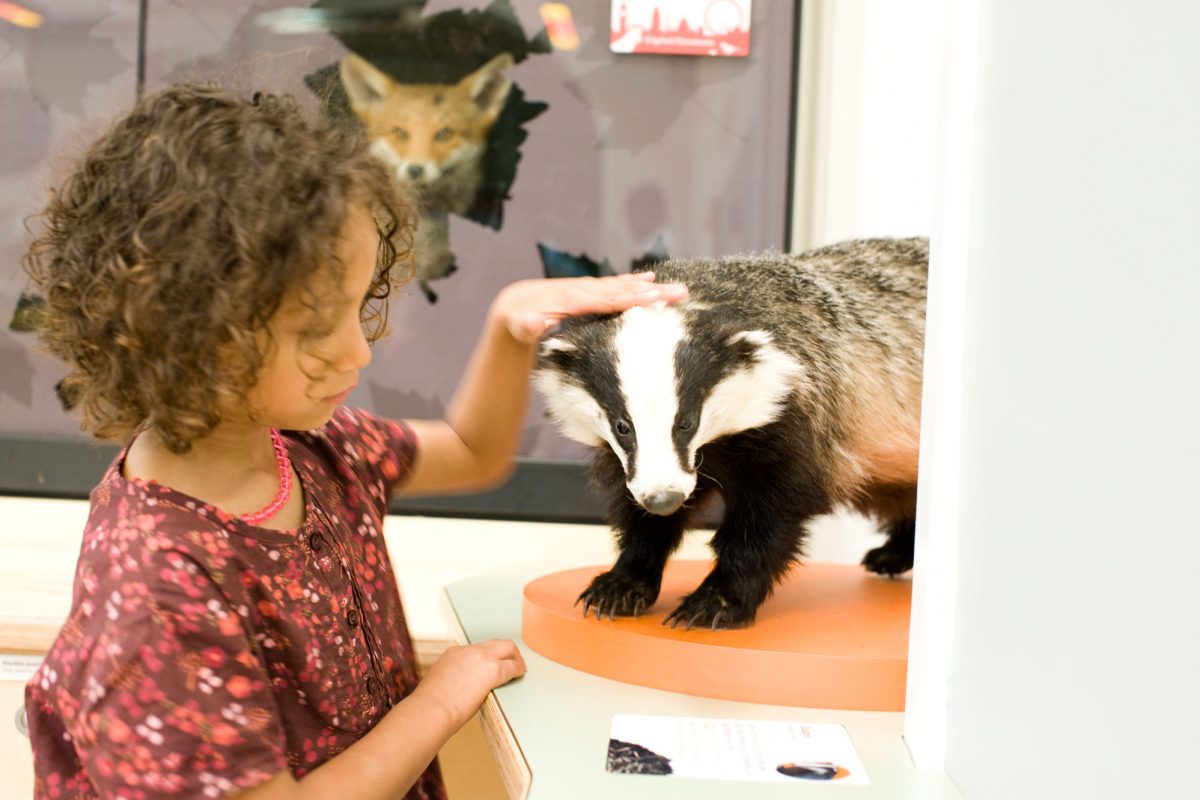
x=663, y=501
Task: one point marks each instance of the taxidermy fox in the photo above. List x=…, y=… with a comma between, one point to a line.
x=787, y=384
x=435, y=137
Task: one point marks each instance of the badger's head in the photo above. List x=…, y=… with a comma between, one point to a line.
x=655, y=384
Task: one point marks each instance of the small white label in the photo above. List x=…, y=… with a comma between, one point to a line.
x=18, y=666
x=776, y=751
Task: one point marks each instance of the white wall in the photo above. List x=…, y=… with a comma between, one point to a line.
x=1077, y=638
x=869, y=100
x=935, y=580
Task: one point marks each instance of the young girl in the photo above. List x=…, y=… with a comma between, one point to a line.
x=235, y=626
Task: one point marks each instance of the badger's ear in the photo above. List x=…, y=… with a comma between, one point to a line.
x=556, y=346
x=557, y=352
x=745, y=345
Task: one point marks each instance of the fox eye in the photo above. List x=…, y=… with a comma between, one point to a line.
x=622, y=428
x=443, y=135
x=401, y=134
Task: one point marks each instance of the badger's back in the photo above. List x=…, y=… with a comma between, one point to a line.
x=870, y=291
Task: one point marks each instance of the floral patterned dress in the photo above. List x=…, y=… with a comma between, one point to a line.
x=202, y=654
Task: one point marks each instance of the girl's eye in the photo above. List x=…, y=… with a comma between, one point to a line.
x=622, y=428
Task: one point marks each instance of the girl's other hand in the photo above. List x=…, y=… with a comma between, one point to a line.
x=528, y=308
x=461, y=678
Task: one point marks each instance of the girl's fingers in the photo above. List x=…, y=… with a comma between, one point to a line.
x=624, y=293
x=511, y=668
x=506, y=651
x=500, y=646
x=602, y=296
x=529, y=326
x=609, y=302
x=670, y=292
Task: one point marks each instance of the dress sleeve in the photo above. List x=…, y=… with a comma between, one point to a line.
x=177, y=702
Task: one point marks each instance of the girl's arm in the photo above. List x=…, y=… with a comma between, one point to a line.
x=473, y=447
x=387, y=761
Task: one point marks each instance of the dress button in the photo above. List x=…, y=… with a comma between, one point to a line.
x=316, y=542
x=352, y=618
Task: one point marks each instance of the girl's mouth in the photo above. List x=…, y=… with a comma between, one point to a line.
x=339, y=398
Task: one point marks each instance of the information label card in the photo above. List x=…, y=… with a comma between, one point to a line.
x=731, y=749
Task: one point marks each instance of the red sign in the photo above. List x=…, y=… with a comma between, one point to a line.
x=681, y=27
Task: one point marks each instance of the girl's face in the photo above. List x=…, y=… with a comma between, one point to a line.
x=316, y=356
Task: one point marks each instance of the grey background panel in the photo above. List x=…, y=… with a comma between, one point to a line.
x=633, y=148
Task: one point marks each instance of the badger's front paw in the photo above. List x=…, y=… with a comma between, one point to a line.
x=888, y=560
x=711, y=608
x=615, y=594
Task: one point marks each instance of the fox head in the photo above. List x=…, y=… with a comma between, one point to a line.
x=427, y=131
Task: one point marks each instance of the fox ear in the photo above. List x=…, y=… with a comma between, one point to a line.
x=365, y=83
x=488, y=86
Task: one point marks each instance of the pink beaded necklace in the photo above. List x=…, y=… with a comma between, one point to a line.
x=285, y=483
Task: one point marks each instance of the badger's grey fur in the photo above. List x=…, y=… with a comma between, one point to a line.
x=788, y=384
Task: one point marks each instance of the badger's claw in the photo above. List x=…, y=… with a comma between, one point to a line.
x=709, y=608
x=617, y=595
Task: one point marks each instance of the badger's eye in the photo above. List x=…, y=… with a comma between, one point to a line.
x=685, y=424
x=622, y=428
x=443, y=134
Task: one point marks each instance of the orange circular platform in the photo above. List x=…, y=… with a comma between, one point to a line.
x=831, y=636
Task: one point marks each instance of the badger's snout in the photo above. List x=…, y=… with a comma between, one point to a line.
x=662, y=501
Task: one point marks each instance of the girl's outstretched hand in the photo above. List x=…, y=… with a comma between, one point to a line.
x=528, y=308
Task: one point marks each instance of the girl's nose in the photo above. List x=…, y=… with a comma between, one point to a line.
x=354, y=352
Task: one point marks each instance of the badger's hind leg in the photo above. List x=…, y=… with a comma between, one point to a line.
x=895, y=556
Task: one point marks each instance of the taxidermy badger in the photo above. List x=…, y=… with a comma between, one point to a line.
x=787, y=384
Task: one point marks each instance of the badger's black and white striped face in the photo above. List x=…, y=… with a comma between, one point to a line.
x=656, y=384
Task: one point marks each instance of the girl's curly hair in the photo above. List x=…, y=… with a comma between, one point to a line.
x=164, y=254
